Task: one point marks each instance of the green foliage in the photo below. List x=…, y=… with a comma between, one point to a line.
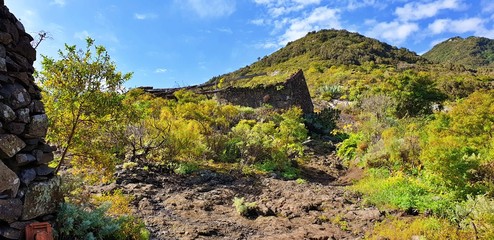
x=300, y=181
x=192, y=131
x=421, y=227
x=473, y=52
x=329, y=92
x=77, y=223
x=441, y=165
x=398, y=190
x=323, y=122
x=81, y=97
x=184, y=96
x=476, y=215
x=244, y=208
x=459, y=144
x=290, y=173
x=185, y=168
x=348, y=149
x=414, y=94
x=341, y=222
x=274, y=141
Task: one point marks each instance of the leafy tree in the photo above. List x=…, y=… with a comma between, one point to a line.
x=81, y=94
x=459, y=143
x=414, y=94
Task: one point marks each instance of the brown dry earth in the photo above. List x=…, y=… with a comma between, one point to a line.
x=200, y=206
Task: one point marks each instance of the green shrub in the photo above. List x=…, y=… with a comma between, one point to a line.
x=399, y=191
x=300, y=181
x=476, y=215
x=290, y=173
x=330, y=92
x=244, y=208
x=75, y=222
x=421, y=227
x=278, y=138
x=323, y=122
x=185, y=168
x=347, y=150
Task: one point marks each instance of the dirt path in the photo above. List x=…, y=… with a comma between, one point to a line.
x=199, y=206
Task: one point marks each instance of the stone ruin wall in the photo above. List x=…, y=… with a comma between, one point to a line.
x=29, y=191
x=292, y=92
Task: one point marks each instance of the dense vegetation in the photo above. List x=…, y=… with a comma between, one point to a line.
x=422, y=132
x=472, y=52
x=97, y=126
x=417, y=158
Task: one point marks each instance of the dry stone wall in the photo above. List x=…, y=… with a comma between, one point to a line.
x=292, y=92
x=29, y=191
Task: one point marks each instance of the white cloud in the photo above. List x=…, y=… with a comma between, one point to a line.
x=267, y=45
x=60, y=3
x=259, y=22
x=456, y=26
x=161, y=70
x=278, y=8
x=144, y=16
x=355, y=4
x=395, y=32
x=81, y=35
x=419, y=10
x=487, y=6
x=225, y=30
x=212, y=8
x=319, y=18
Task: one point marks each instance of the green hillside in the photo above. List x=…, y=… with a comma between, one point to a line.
x=472, y=52
x=323, y=49
x=346, y=65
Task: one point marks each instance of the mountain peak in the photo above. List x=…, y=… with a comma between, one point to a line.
x=329, y=47
x=472, y=52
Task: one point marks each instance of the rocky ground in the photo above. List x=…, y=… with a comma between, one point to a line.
x=200, y=206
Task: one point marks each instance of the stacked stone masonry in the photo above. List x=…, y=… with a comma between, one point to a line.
x=283, y=95
x=292, y=92
x=29, y=191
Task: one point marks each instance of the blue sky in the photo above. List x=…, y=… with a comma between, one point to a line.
x=171, y=43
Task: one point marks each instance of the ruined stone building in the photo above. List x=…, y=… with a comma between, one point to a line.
x=29, y=191
x=292, y=92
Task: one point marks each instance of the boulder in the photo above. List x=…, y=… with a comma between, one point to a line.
x=6, y=113
x=9, y=182
x=5, y=38
x=16, y=128
x=3, y=64
x=42, y=198
x=25, y=48
x=10, y=145
x=37, y=107
x=21, y=225
x=24, y=159
x=27, y=176
x=9, y=233
x=44, y=170
x=23, y=77
x=46, y=158
x=10, y=209
x=20, y=97
x=38, y=126
x=23, y=115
